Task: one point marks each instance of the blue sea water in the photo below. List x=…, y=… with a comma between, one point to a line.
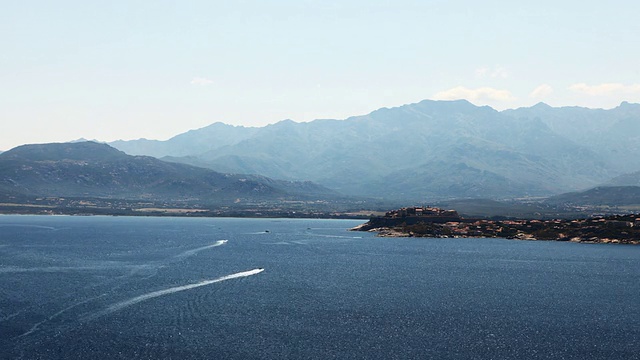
x=171, y=288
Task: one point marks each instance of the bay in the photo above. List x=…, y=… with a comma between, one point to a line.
x=224, y=288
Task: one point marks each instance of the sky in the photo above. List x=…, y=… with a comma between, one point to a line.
x=110, y=70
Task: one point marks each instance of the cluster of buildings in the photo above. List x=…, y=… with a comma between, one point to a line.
x=422, y=212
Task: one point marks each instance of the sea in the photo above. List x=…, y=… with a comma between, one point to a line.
x=76, y=287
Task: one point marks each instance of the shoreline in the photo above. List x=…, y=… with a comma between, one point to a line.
x=396, y=233
x=438, y=223
x=171, y=215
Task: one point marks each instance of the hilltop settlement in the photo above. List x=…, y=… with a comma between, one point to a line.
x=439, y=223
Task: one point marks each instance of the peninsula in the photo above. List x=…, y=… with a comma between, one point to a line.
x=439, y=223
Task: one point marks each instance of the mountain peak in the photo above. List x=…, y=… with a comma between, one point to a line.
x=431, y=106
x=282, y=123
x=447, y=103
x=628, y=105
x=541, y=105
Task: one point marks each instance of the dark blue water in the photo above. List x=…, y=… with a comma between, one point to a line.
x=116, y=288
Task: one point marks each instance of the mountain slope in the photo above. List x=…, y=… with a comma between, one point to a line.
x=615, y=133
x=89, y=169
x=631, y=179
x=599, y=196
x=367, y=155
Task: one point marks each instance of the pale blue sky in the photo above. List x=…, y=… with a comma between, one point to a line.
x=130, y=69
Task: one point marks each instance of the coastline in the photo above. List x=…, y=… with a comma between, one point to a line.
x=407, y=222
x=397, y=233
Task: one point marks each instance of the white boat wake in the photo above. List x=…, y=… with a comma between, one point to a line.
x=35, y=327
x=54, y=269
x=123, y=304
x=195, y=251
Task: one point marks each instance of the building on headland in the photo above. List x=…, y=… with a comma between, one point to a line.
x=415, y=215
x=422, y=212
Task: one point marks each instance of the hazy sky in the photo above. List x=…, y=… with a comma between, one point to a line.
x=113, y=69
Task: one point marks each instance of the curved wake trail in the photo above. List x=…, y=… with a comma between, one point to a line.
x=35, y=327
x=195, y=251
x=55, y=269
x=123, y=304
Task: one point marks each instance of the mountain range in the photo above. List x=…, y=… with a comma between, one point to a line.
x=93, y=170
x=425, y=151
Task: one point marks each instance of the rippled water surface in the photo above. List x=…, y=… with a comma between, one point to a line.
x=179, y=288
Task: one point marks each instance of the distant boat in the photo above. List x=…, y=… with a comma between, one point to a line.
x=266, y=231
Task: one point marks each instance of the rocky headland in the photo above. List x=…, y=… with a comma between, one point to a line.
x=439, y=223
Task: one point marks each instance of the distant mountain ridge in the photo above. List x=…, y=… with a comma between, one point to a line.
x=89, y=169
x=599, y=196
x=630, y=179
x=192, y=142
x=614, y=133
x=427, y=150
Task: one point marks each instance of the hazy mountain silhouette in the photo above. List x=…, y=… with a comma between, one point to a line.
x=600, y=196
x=431, y=149
x=614, y=134
x=192, y=142
x=630, y=179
